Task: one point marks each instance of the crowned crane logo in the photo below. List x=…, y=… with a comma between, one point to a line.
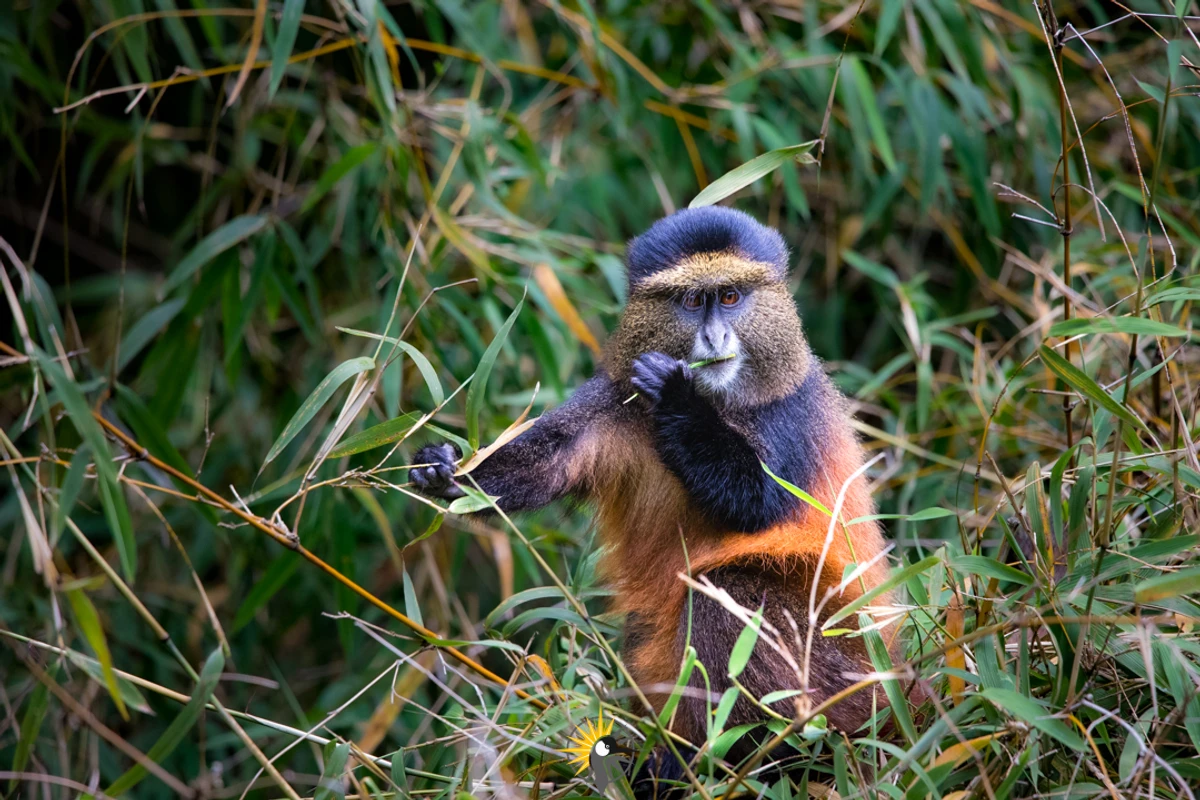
x=598, y=753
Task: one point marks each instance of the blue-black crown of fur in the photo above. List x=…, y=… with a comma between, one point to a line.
x=711, y=229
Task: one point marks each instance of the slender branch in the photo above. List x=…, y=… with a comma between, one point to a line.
x=288, y=540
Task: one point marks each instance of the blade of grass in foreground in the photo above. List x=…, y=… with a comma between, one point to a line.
x=179, y=726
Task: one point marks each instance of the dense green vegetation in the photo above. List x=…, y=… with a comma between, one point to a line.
x=208, y=213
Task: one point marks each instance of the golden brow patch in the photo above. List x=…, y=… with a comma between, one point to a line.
x=711, y=271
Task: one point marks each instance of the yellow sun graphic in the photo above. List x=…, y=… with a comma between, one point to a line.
x=587, y=738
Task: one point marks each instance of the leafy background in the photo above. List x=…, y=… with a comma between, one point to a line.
x=206, y=207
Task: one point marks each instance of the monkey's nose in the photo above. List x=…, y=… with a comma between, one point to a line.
x=717, y=340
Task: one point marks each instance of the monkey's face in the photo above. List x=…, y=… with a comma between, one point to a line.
x=710, y=307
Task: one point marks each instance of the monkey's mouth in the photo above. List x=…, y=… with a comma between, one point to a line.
x=717, y=374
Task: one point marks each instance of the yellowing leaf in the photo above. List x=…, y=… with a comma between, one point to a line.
x=552, y=288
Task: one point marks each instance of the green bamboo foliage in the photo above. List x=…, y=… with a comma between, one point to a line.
x=254, y=255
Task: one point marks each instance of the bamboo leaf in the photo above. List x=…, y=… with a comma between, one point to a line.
x=31, y=725
x=179, y=727
x=388, y=432
x=982, y=565
x=230, y=234
x=1033, y=713
x=744, y=646
x=423, y=366
x=129, y=692
x=285, y=40
x=893, y=581
x=474, y=501
x=338, y=170
x=308, y=409
x=1088, y=387
x=93, y=632
x=142, y=332
x=332, y=784
x=274, y=579
x=751, y=171
x=116, y=512
x=1185, y=581
x=1131, y=325
x=798, y=492
x=478, y=390
x=411, y=606
x=557, y=296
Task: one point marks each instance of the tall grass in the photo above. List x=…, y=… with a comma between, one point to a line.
x=252, y=256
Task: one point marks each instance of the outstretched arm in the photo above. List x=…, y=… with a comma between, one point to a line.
x=554, y=458
x=719, y=466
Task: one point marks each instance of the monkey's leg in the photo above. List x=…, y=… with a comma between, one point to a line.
x=834, y=662
x=555, y=457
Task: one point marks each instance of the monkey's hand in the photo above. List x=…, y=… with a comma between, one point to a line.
x=657, y=374
x=437, y=479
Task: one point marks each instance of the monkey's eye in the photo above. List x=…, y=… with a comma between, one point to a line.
x=693, y=301
x=730, y=297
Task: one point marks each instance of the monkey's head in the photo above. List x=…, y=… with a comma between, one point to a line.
x=707, y=283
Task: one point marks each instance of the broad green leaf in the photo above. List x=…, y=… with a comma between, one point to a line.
x=230, y=234
x=744, y=646
x=474, y=501
x=423, y=366
x=145, y=329
x=1185, y=581
x=112, y=500
x=93, y=632
x=1132, y=325
x=893, y=581
x=309, y=408
x=285, y=40
x=751, y=171
x=478, y=390
x=332, y=785
x=982, y=565
x=376, y=436
x=1076, y=378
x=344, y=165
x=1033, y=713
x=179, y=727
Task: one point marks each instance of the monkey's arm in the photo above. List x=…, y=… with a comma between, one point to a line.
x=552, y=459
x=718, y=465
